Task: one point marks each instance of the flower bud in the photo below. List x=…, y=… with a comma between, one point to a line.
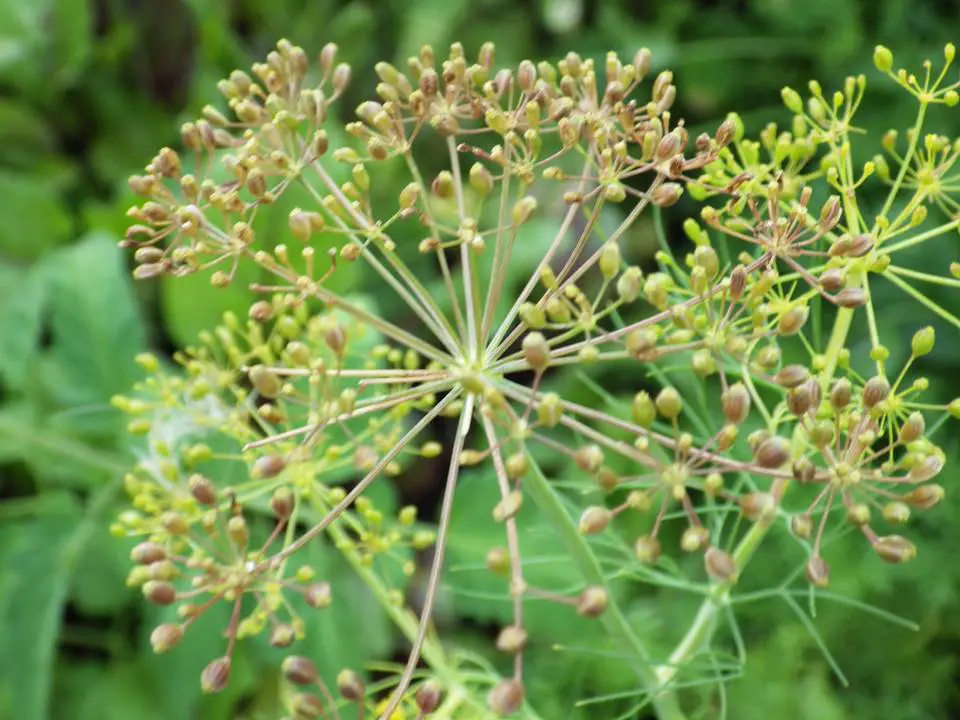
x=720, y=565
x=640, y=342
x=215, y=676
x=512, y=639
x=912, y=428
x=883, y=58
x=592, y=601
x=498, y=561
x=736, y=403
x=833, y=279
x=237, y=531
x=506, y=697
x=666, y=194
x=895, y=549
x=818, y=572
x=508, y=507
x=840, y=394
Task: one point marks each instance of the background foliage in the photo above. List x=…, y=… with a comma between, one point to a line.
x=89, y=89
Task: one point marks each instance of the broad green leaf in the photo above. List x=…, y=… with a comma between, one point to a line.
x=35, y=220
x=87, y=690
x=35, y=559
x=71, y=37
x=22, y=296
x=96, y=331
x=99, y=579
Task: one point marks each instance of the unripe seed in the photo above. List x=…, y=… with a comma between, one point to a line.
x=772, y=452
x=265, y=381
x=720, y=565
x=165, y=637
x=758, y=506
x=350, y=685
x=694, y=538
x=833, y=280
x=589, y=458
x=595, y=520
x=801, y=525
x=912, y=428
x=896, y=513
x=858, y=514
x=508, y=507
x=550, y=410
x=237, y=531
x=791, y=376
x=282, y=635
x=803, y=469
x=319, y=595
x=818, y=572
x=644, y=410
x=592, y=601
x=840, y=394
x=506, y=697
x=307, y=706
x=926, y=469
x=851, y=297
x=215, y=676
x=875, y=391
x=923, y=341
x=536, y=351
x=146, y=553
x=736, y=403
x=512, y=639
x=159, y=592
x=895, y=549
x=647, y=549
x=202, y=490
x=267, y=466
x=428, y=697
x=925, y=496
x=669, y=403
x=792, y=321
x=498, y=561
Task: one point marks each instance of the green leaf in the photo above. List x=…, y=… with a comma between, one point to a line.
x=35, y=557
x=96, y=331
x=71, y=37
x=99, y=579
x=34, y=218
x=92, y=691
x=22, y=297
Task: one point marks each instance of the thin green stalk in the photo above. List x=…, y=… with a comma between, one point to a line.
x=664, y=701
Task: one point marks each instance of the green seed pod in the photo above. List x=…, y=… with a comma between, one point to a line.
x=550, y=410
x=694, y=538
x=641, y=342
x=319, y=595
x=644, y=409
x=669, y=403
x=282, y=635
x=896, y=513
x=923, y=341
x=237, y=531
x=858, y=514
x=498, y=561
x=610, y=260
x=508, y=507
x=883, y=58
x=757, y=506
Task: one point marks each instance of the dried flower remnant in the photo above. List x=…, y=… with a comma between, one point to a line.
x=315, y=386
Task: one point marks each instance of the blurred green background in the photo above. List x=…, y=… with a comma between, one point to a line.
x=90, y=89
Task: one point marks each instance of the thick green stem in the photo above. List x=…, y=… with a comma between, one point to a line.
x=615, y=623
x=704, y=624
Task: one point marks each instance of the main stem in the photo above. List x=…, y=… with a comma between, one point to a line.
x=704, y=623
x=664, y=700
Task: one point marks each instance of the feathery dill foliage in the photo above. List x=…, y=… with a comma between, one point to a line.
x=764, y=419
